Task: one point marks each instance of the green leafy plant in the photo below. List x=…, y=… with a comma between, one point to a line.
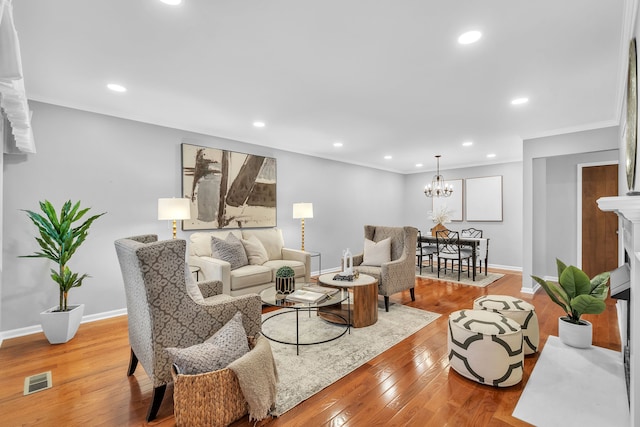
x=575, y=293
x=59, y=240
x=285, y=272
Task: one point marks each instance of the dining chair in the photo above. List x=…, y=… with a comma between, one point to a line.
x=482, y=250
x=424, y=250
x=449, y=248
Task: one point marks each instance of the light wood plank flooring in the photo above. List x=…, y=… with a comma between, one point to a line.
x=410, y=384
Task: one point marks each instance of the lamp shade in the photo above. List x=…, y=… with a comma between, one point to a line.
x=303, y=210
x=174, y=209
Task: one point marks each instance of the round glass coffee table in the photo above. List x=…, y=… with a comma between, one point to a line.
x=272, y=298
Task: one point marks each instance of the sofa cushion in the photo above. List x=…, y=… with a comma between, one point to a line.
x=271, y=239
x=256, y=253
x=226, y=345
x=297, y=266
x=249, y=276
x=376, y=253
x=230, y=250
x=200, y=242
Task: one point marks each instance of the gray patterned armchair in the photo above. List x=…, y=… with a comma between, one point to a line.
x=162, y=314
x=399, y=274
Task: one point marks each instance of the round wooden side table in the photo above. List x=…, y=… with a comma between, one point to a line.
x=364, y=308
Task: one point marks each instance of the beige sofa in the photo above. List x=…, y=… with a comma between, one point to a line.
x=253, y=277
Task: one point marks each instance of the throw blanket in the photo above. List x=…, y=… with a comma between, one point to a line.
x=257, y=375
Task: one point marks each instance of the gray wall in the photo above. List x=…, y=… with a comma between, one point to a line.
x=535, y=155
x=561, y=208
x=123, y=167
x=504, y=249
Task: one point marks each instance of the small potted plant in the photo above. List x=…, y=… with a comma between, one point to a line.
x=577, y=295
x=440, y=216
x=59, y=239
x=285, y=282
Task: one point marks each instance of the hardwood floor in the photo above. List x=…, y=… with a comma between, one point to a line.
x=410, y=384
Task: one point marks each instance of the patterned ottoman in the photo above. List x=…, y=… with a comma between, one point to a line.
x=485, y=347
x=514, y=308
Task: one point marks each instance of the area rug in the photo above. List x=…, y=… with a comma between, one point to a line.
x=320, y=365
x=481, y=279
x=575, y=387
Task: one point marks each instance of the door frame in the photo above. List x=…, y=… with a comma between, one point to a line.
x=579, y=212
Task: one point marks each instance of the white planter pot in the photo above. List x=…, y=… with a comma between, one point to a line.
x=60, y=327
x=575, y=335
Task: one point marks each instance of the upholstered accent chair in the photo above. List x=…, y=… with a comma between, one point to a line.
x=162, y=313
x=399, y=273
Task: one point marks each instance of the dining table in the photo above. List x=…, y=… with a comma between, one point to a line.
x=473, y=242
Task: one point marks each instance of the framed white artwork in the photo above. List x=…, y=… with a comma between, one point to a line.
x=483, y=198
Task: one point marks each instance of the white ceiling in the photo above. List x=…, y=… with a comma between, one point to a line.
x=383, y=77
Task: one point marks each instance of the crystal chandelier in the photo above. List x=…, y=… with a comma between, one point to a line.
x=438, y=186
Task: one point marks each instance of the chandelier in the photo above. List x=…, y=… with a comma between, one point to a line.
x=438, y=186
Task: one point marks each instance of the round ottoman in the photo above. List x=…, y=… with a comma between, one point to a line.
x=514, y=308
x=485, y=347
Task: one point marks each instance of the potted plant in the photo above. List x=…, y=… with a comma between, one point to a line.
x=440, y=217
x=285, y=282
x=59, y=239
x=577, y=295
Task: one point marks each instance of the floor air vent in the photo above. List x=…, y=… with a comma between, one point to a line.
x=37, y=382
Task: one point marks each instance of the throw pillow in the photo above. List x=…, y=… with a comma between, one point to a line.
x=230, y=250
x=376, y=253
x=225, y=346
x=192, y=287
x=271, y=239
x=256, y=253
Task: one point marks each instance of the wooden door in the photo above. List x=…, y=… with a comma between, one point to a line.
x=599, y=229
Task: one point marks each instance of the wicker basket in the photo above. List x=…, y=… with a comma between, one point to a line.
x=209, y=399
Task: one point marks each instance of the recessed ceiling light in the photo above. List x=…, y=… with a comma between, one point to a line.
x=171, y=2
x=419, y=165
x=388, y=157
x=519, y=101
x=490, y=156
x=467, y=143
x=469, y=37
x=116, y=87
x=337, y=144
x=259, y=124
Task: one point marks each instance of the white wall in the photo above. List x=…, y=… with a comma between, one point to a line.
x=123, y=167
x=503, y=251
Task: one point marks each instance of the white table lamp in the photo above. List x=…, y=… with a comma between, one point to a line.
x=302, y=211
x=174, y=209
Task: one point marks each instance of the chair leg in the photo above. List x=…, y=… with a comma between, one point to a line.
x=156, y=400
x=386, y=304
x=133, y=363
x=412, y=291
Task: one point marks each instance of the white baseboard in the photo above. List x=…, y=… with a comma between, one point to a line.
x=20, y=332
x=506, y=267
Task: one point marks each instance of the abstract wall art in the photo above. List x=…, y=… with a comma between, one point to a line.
x=228, y=189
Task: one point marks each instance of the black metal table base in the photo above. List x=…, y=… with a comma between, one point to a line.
x=297, y=343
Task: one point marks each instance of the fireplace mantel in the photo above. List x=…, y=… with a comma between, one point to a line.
x=628, y=209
